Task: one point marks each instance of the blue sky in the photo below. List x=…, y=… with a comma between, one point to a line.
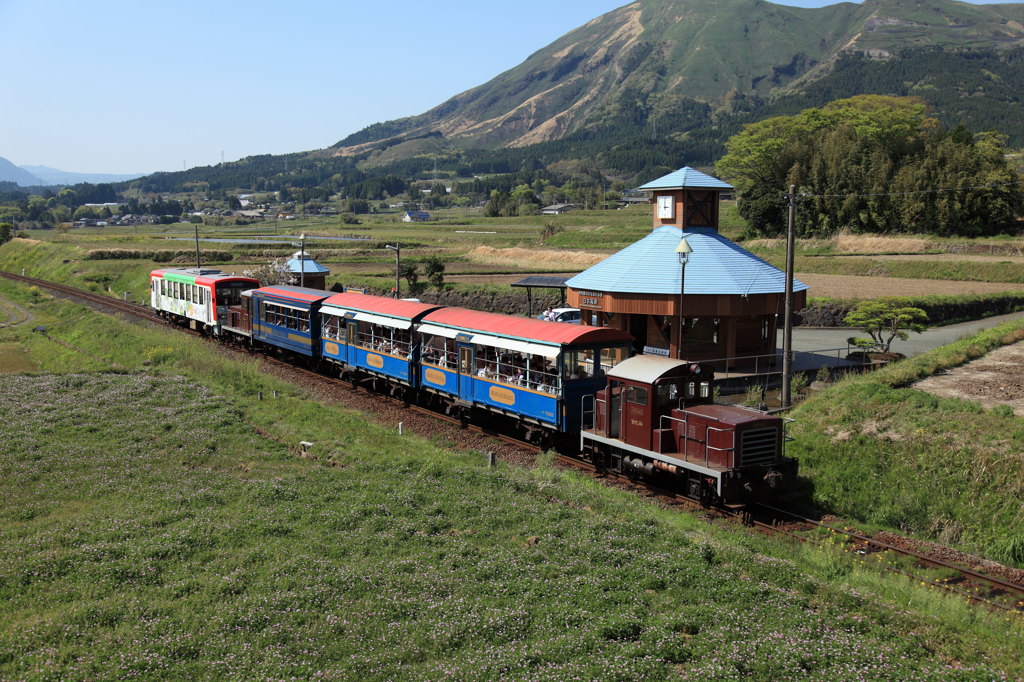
x=122, y=86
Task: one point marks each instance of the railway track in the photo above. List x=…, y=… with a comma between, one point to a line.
x=84, y=295
x=992, y=591
x=961, y=581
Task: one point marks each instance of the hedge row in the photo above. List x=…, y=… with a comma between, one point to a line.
x=160, y=256
x=941, y=310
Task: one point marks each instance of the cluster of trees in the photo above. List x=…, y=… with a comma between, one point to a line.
x=159, y=206
x=983, y=89
x=872, y=164
x=520, y=201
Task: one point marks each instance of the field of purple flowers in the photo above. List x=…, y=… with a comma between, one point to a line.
x=147, y=531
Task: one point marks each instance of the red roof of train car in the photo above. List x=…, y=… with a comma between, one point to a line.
x=525, y=328
x=394, y=307
x=295, y=293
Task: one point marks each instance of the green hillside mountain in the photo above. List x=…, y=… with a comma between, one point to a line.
x=668, y=65
x=638, y=91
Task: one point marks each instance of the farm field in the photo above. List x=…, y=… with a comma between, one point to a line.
x=472, y=245
x=138, y=546
x=856, y=286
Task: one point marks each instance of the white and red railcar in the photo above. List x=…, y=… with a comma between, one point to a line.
x=198, y=297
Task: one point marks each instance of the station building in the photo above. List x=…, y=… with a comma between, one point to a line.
x=685, y=291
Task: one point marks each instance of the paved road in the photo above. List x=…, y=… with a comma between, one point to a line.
x=816, y=347
x=817, y=339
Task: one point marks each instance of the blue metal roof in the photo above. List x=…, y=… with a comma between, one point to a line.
x=688, y=178
x=312, y=267
x=716, y=266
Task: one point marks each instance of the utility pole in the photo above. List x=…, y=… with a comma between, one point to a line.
x=397, y=248
x=199, y=265
x=787, y=335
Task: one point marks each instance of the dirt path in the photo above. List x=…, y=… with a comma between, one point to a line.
x=996, y=379
x=12, y=314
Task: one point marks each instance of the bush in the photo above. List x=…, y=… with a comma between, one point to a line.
x=754, y=396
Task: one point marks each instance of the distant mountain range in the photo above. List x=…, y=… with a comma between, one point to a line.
x=55, y=176
x=11, y=173
x=658, y=84
x=675, y=64
x=28, y=176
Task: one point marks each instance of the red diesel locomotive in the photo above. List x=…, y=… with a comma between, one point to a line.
x=656, y=418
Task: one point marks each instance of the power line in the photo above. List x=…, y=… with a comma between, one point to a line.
x=893, y=194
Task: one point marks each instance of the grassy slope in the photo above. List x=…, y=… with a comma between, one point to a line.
x=148, y=530
x=948, y=469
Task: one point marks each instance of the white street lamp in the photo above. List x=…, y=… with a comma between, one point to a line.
x=683, y=251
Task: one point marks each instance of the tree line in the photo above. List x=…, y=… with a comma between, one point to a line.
x=872, y=164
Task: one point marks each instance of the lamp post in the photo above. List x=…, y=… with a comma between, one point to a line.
x=302, y=259
x=397, y=248
x=683, y=251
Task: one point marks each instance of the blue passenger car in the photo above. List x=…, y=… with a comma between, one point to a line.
x=287, y=317
x=372, y=334
x=530, y=369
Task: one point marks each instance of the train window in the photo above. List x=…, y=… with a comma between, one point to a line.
x=611, y=357
x=331, y=326
x=578, y=364
x=438, y=350
x=466, y=360
x=667, y=394
x=636, y=395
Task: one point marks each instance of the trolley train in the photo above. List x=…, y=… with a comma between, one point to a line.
x=575, y=387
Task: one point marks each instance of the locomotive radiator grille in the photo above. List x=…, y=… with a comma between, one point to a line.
x=758, y=446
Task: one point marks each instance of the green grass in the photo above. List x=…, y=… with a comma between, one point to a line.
x=878, y=450
x=158, y=522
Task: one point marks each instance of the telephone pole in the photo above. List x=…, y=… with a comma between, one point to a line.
x=787, y=334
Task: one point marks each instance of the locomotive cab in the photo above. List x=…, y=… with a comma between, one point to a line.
x=632, y=408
